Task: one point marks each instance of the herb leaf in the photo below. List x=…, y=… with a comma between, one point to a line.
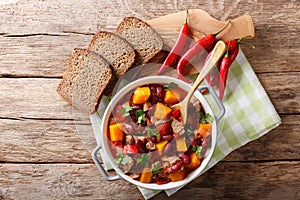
x=122, y=159
x=143, y=160
x=156, y=168
x=124, y=111
x=126, y=160
x=207, y=118
x=141, y=116
x=197, y=149
x=119, y=158
x=152, y=131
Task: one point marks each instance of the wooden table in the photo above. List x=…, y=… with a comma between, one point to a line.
x=42, y=156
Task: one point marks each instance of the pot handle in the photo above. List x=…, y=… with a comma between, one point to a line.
x=216, y=99
x=101, y=169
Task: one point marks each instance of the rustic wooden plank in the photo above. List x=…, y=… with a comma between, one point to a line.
x=284, y=90
x=40, y=55
x=60, y=141
x=43, y=141
x=45, y=17
x=36, y=38
x=32, y=98
x=38, y=18
x=60, y=181
x=37, y=98
x=282, y=143
x=275, y=180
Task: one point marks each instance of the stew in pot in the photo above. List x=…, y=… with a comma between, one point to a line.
x=148, y=140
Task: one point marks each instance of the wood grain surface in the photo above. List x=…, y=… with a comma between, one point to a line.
x=41, y=152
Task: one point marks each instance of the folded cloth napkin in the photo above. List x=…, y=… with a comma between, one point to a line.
x=249, y=115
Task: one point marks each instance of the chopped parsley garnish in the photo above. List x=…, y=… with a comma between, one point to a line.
x=143, y=160
x=197, y=149
x=124, y=111
x=141, y=116
x=156, y=169
x=152, y=131
x=123, y=159
x=207, y=118
x=126, y=160
x=172, y=85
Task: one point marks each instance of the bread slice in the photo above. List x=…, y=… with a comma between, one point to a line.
x=116, y=50
x=145, y=40
x=84, y=80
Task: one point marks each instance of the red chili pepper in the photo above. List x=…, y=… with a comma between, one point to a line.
x=233, y=54
x=231, y=44
x=226, y=62
x=200, y=46
x=130, y=149
x=177, y=48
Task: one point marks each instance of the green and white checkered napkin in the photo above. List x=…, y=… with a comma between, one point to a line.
x=249, y=115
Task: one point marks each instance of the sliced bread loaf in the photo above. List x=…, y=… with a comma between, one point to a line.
x=145, y=40
x=84, y=80
x=116, y=50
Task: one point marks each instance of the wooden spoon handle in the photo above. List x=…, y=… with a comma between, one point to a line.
x=217, y=53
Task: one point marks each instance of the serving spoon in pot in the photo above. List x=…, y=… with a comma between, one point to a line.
x=217, y=53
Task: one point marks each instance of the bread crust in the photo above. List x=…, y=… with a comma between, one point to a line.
x=116, y=50
x=133, y=23
x=115, y=53
x=75, y=66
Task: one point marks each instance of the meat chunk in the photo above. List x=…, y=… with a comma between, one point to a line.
x=129, y=139
x=169, y=160
x=150, y=146
x=146, y=106
x=196, y=103
x=160, y=122
x=178, y=127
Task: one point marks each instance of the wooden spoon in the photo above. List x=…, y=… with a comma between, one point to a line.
x=217, y=53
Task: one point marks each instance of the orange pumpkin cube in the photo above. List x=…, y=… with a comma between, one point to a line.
x=160, y=146
x=177, y=176
x=141, y=95
x=204, y=129
x=171, y=97
x=162, y=111
x=116, y=132
x=181, y=145
x=195, y=161
x=146, y=175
